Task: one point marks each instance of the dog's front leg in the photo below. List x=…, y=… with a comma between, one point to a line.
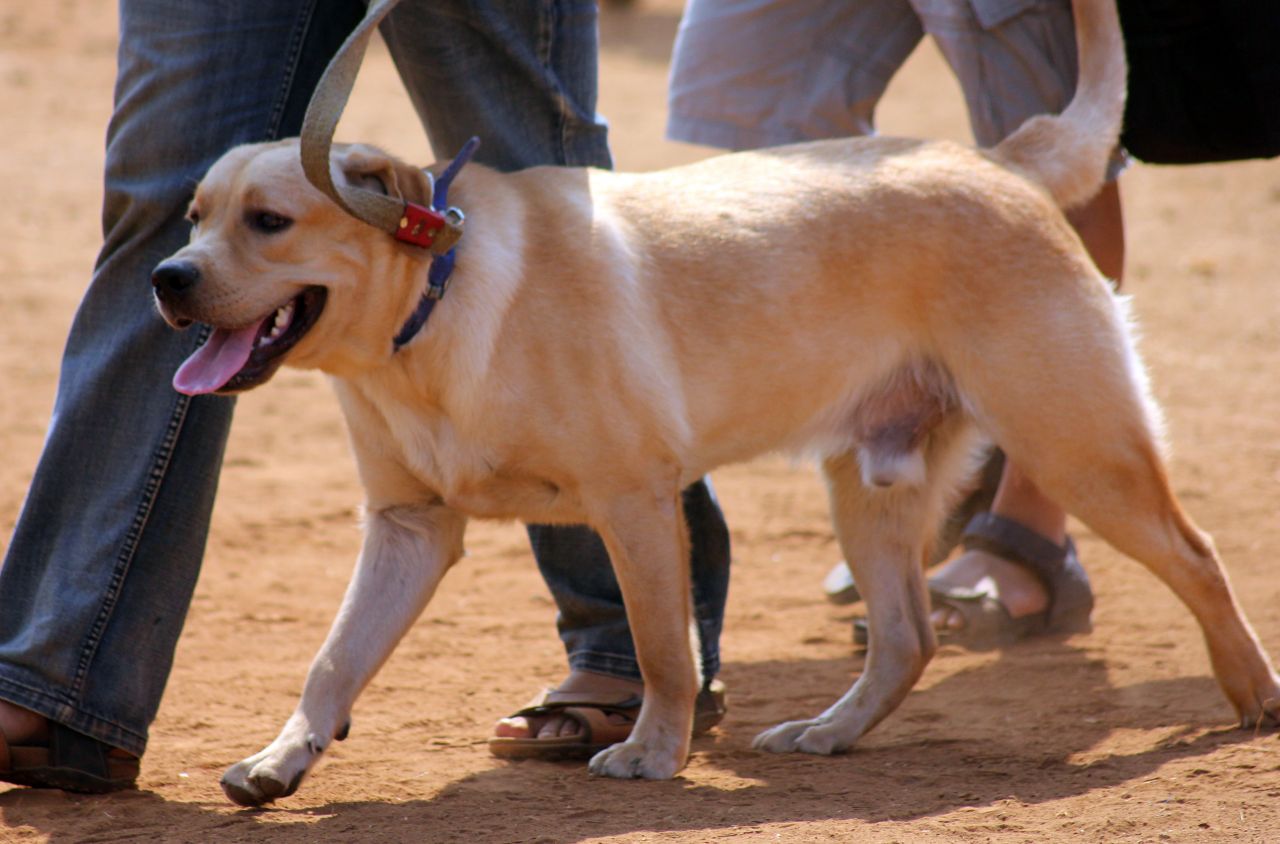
x=406, y=552
x=648, y=544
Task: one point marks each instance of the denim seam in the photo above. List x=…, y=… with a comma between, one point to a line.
x=546, y=49
x=155, y=476
x=306, y=15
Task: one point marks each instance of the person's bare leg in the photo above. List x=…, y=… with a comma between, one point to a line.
x=586, y=683
x=1100, y=224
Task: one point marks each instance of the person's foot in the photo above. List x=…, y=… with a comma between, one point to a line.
x=1018, y=590
x=586, y=684
x=587, y=713
x=39, y=753
x=1014, y=586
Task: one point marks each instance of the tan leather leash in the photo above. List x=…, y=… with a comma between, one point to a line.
x=425, y=226
x=436, y=226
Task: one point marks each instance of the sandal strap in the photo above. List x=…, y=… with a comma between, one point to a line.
x=1057, y=567
x=597, y=728
x=709, y=708
x=554, y=700
x=1017, y=543
x=6, y=762
x=70, y=749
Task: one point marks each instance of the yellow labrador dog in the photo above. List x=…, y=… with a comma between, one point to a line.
x=609, y=338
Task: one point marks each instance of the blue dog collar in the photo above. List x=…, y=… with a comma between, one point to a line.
x=441, y=264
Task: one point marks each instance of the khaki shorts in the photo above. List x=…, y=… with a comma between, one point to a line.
x=757, y=73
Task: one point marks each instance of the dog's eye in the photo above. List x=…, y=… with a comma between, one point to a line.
x=268, y=223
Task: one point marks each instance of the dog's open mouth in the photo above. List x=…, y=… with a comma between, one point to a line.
x=234, y=360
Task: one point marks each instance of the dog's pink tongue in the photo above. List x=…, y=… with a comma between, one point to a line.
x=222, y=356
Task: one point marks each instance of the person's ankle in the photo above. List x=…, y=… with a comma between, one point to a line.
x=582, y=680
x=1021, y=501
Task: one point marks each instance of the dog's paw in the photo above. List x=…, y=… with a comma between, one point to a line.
x=268, y=775
x=1255, y=695
x=1265, y=709
x=814, y=736
x=632, y=760
x=245, y=787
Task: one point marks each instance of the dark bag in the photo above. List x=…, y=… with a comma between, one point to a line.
x=1204, y=79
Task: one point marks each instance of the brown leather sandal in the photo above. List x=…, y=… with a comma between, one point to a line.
x=603, y=721
x=68, y=760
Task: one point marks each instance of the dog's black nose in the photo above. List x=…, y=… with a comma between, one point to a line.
x=174, y=277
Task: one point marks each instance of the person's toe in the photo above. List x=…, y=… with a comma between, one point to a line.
x=516, y=726
x=559, y=727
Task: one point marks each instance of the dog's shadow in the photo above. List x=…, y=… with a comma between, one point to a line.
x=968, y=740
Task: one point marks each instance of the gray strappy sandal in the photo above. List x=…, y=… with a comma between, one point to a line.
x=987, y=623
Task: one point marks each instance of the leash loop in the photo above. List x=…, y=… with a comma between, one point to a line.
x=437, y=227
x=327, y=102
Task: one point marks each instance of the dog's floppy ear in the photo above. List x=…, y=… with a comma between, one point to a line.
x=373, y=169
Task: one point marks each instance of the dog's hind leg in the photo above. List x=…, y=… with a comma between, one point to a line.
x=406, y=552
x=1119, y=488
x=885, y=534
x=1074, y=415
x=645, y=535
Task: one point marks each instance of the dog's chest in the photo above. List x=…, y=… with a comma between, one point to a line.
x=472, y=474
x=478, y=487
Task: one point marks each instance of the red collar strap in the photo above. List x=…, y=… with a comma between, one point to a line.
x=429, y=228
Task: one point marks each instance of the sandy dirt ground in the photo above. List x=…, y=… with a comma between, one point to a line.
x=1116, y=736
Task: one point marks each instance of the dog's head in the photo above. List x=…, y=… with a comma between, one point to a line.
x=280, y=272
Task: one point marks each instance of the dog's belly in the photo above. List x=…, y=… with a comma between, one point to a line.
x=886, y=412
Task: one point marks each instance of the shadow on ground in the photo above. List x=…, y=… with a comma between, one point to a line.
x=950, y=746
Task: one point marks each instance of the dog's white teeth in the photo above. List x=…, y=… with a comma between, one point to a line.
x=283, y=317
x=279, y=325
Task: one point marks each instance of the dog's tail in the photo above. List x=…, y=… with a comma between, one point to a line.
x=1069, y=153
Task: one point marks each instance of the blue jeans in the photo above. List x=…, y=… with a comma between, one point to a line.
x=100, y=571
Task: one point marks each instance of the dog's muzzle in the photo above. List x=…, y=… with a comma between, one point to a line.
x=172, y=281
